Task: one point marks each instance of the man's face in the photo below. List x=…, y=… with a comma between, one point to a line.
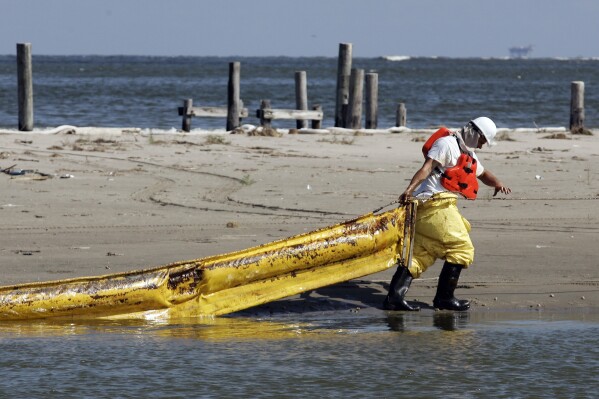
x=481, y=141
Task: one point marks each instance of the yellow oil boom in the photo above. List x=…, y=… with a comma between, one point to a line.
x=222, y=284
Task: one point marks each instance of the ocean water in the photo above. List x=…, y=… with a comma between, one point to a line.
x=339, y=355
x=144, y=92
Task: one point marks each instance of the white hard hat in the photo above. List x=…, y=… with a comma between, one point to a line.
x=487, y=128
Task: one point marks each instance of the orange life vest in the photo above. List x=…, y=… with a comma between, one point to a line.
x=460, y=178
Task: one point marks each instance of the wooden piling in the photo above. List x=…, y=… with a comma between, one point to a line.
x=317, y=123
x=301, y=96
x=372, y=99
x=400, y=116
x=25, y=86
x=187, y=114
x=343, y=75
x=233, y=96
x=577, y=106
x=264, y=122
x=354, y=107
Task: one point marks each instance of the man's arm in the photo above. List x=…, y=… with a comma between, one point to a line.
x=420, y=175
x=491, y=180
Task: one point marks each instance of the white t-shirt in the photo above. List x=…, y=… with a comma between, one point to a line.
x=446, y=151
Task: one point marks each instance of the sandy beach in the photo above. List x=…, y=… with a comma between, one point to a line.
x=105, y=200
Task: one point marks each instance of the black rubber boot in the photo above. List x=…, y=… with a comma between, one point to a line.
x=400, y=283
x=448, y=281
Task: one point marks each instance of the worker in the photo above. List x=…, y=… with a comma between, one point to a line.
x=450, y=169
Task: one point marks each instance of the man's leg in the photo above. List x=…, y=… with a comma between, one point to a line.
x=448, y=281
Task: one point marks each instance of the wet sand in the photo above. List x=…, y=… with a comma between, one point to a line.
x=107, y=200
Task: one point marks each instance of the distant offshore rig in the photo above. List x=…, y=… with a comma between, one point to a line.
x=520, y=51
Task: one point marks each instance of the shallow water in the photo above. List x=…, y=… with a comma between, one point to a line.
x=331, y=354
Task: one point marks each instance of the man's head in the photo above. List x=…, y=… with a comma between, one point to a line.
x=486, y=130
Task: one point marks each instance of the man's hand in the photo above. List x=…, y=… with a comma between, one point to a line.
x=502, y=189
x=405, y=197
x=491, y=180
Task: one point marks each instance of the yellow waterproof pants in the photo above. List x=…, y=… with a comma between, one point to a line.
x=441, y=232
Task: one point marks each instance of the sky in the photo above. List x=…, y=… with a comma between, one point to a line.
x=444, y=28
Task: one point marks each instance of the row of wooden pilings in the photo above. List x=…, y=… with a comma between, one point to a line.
x=348, y=100
x=354, y=88
x=348, y=105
